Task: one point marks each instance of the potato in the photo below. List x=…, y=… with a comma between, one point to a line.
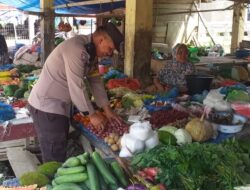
x=119, y=141
x=112, y=135
x=111, y=141
x=116, y=138
x=115, y=147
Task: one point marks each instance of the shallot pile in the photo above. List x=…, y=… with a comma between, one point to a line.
x=109, y=128
x=164, y=117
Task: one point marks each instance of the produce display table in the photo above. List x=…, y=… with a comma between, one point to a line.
x=22, y=135
x=94, y=140
x=226, y=60
x=156, y=65
x=104, y=148
x=14, y=132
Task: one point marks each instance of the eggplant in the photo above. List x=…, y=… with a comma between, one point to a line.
x=136, y=187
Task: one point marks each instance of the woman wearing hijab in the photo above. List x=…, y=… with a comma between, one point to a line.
x=173, y=74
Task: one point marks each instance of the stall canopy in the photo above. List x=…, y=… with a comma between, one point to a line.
x=95, y=8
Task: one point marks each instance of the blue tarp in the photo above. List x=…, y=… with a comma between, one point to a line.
x=34, y=6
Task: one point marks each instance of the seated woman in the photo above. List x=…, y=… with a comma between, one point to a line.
x=173, y=74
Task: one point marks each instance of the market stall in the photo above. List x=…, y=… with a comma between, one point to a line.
x=167, y=140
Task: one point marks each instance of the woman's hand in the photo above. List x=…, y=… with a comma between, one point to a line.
x=98, y=120
x=159, y=86
x=113, y=118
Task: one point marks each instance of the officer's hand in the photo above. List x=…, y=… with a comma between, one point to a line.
x=113, y=118
x=98, y=120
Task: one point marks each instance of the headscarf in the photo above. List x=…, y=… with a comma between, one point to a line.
x=174, y=72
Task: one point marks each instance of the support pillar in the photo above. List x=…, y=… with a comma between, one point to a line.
x=238, y=26
x=138, y=39
x=47, y=28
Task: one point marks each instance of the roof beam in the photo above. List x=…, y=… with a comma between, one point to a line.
x=92, y=2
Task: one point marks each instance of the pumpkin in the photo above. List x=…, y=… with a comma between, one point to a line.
x=200, y=130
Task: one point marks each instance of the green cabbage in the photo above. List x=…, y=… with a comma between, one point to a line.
x=168, y=128
x=182, y=136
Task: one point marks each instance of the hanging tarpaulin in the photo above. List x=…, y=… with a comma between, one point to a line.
x=84, y=7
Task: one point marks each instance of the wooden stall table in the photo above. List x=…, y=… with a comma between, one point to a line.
x=15, y=140
x=226, y=60
x=18, y=135
x=205, y=63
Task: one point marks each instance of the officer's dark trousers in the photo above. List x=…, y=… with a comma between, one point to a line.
x=52, y=131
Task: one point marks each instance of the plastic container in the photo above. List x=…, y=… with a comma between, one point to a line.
x=103, y=69
x=221, y=117
x=237, y=126
x=197, y=83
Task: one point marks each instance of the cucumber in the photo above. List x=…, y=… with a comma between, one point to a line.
x=83, y=186
x=71, y=178
x=72, y=170
x=93, y=177
x=103, y=184
x=118, y=171
x=54, y=183
x=49, y=187
x=87, y=183
x=67, y=186
x=86, y=155
x=113, y=187
x=82, y=159
x=103, y=169
x=72, y=162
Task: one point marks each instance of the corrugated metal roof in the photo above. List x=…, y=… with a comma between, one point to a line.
x=34, y=6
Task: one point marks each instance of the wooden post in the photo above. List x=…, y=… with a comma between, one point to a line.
x=47, y=28
x=238, y=26
x=138, y=39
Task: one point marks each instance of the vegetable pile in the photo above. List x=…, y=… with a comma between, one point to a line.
x=164, y=117
x=199, y=166
x=109, y=128
x=88, y=172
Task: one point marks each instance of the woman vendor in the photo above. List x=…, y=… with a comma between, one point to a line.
x=173, y=74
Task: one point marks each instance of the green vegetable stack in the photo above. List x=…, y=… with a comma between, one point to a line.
x=199, y=166
x=85, y=172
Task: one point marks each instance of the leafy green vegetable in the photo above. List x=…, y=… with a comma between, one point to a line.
x=26, y=68
x=19, y=93
x=199, y=166
x=10, y=89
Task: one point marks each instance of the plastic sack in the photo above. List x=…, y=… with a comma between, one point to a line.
x=192, y=55
x=171, y=94
x=158, y=105
x=6, y=67
x=238, y=96
x=228, y=89
x=242, y=109
x=6, y=112
x=113, y=74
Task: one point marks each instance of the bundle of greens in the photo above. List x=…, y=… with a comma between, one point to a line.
x=199, y=166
